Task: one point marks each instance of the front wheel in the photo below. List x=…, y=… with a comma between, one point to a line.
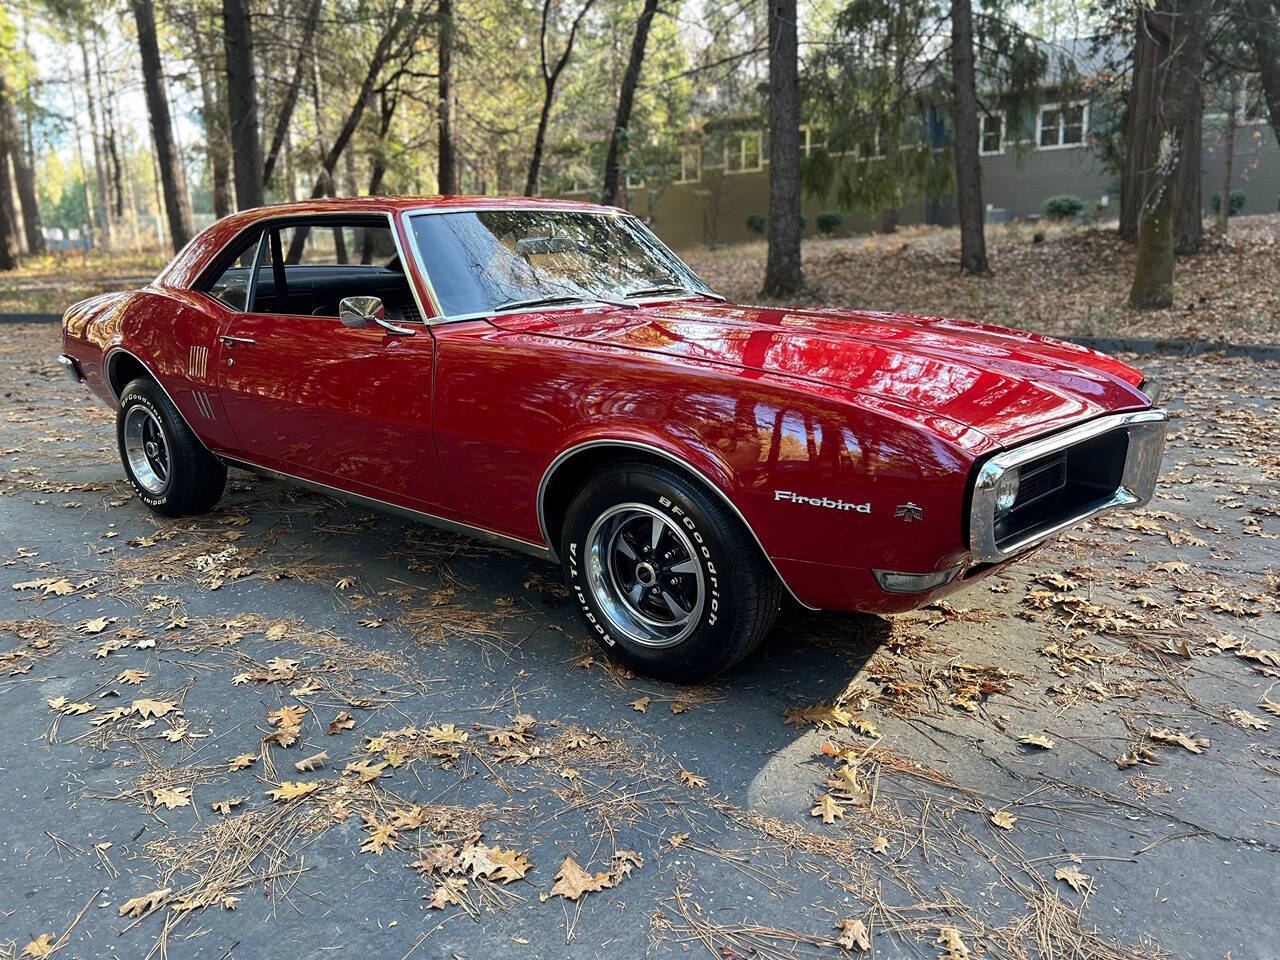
x=667, y=578
x=170, y=469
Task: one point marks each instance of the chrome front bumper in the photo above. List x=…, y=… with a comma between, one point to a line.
x=72, y=368
x=1146, y=435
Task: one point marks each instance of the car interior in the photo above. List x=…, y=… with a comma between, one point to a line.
x=308, y=268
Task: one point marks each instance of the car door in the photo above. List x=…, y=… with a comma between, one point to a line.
x=348, y=407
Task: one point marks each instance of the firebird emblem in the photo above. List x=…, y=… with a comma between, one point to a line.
x=826, y=502
x=909, y=512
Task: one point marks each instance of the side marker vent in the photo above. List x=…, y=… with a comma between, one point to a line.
x=197, y=361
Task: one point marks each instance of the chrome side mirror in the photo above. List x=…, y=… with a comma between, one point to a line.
x=361, y=311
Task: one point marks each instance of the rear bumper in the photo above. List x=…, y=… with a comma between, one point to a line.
x=72, y=368
x=1145, y=433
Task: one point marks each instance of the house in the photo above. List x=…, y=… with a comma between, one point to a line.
x=714, y=188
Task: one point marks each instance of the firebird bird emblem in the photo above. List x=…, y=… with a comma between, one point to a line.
x=827, y=502
x=909, y=512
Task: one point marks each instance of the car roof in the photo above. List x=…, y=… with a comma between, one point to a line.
x=192, y=260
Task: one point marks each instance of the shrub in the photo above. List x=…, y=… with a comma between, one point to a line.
x=829, y=221
x=1063, y=207
x=755, y=223
x=1234, y=205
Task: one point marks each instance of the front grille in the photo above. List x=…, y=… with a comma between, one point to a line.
x=1040, y=478
x=1064, y=484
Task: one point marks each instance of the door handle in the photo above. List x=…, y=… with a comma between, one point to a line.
x=230, y=340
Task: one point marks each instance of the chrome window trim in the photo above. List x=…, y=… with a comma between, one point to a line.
x=263, y=224
x=1147, y=430
x=444, y=523
x=564, y=455
x=420, y=265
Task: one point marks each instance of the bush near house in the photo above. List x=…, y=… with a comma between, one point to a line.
x=829, y=221
x=1234, y=205
x=755, y=224
x=1063, y=207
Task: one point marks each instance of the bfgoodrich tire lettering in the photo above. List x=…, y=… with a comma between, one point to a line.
x=636, y=591
x=194, y=478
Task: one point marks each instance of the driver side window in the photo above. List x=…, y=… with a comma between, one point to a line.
x=309, y=267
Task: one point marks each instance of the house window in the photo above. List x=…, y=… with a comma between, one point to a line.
x=869, y=146
x=991, y=129
x=1062, y=124
x=744, y=152
x=812, y=138
x=690, y=164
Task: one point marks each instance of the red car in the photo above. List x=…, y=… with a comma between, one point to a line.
x=550, y=376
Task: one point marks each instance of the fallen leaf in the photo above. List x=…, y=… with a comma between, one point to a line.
x=881, y=845
x=381, y=837
x=511, y=864
x=311, y=764
x=1178, y=738
x=291, y=790
x=148, y=902
x=641, y=705
x=450, y=891
x=147, y=708
x=446, y=733
x=950, y=939
x=828, y=808
x=677, y=839
x=133, y=677
x=287, y=716
x=853, y=933
x=226, y=806
x=692, y=780
x=241, y=761
x=284, y=737
x=1003, y=819
x=41, y=946
x=1249, y=721
x=1036, y=740
x=1072, y=875
x=366, y=772
x=572, y=881
x=90, y=627
x=172, y=797
x=343, y=721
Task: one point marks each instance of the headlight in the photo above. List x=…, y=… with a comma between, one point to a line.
x=1007, y=490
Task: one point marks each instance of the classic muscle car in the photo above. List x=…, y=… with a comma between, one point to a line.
x=550, y=376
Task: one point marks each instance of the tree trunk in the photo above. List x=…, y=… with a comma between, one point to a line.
x=782, y=276
x=115, y=172
x=1188, y=226
x=106, y=216
x=619, y=140
x=1150, y=48
x=1185, y=22
x=213, y=114
x=10, y=132
x=549, y=77
x=306, y=51
x=242, y=103
x=1266, y=45
x=1228, y=153
x=447, y=106
x=8, y=226
x=177, y=203
x=973, y=242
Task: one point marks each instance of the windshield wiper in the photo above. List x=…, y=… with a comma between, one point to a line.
x=558, y=299
x=671, y=288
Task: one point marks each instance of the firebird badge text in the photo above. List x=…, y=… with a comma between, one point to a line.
x=827, y=502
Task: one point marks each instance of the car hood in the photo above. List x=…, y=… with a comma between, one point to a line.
x=1003, y=383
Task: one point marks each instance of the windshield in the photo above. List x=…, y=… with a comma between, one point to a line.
x=483, y=261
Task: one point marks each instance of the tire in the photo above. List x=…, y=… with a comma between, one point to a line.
x=717, y=596
x=170, y=469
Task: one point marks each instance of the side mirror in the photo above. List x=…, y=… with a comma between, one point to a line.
x=361, y=311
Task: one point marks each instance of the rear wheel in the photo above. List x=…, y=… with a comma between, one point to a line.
x=666, y=577
x=170, y=469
